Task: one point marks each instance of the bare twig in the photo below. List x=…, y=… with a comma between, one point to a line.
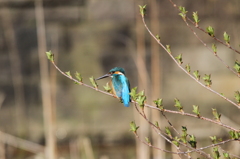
x=199, y=150
x=162, y=112
x=197, y=26
x=235, y=156
x=184, y=70
x=210, y=50
x=161, y=133
x=148, y=105
x=48, y=109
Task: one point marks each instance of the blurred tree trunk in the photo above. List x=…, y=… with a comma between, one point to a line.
x=2, y=148
x=143, y=151
x=2, y=144
x=53, y=82
x=158, y=141
x=48, y=109
x=87, y=145
x=53, y=72
x=16, y=72
x=74, y=149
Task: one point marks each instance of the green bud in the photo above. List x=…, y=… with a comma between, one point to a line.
x=196, y=74
x=168, y=132
x=147, y=140
x=179, y=58
x=237, y=96
x=207, y=80
x=93, y=82
x=214, y=139
x=159, y=103
x=195, y=18
x=142, y=10
x=210, y=31
x=133, y=127
x=141, y=93
x=141, y=99
x=107, y=88
x=216, y=114
x=68, y=74
x=192, y=141
x=78, y=76
x=188, y=68
x=214, y=48
x=178, y=104
x=50, y=56
x=237, y=66
x=176, y=141
x=158, y=37
x=196, y=110
x=234, y=134
x=216, y=153
x=226, y=38
x=184, y=135
x=156, y=124
x=133, y=93
x=168, y=48
x=226, y=155
x=183, y=12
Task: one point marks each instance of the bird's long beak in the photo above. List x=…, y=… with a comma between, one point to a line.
x=104, y=76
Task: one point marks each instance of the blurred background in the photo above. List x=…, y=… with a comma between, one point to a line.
x=40, y=107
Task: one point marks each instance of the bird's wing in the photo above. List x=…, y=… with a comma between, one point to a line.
x=125, y=92
x=117, y=87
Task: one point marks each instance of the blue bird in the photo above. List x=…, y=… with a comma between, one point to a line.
x=119, y=84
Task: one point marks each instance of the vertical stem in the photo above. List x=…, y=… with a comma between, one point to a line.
x=53, y=72
x=155, y=78
x=48, y=110
x=88, y=148
x=2, y=148
x=143, y=151
x=74, y=149
x=2, y=144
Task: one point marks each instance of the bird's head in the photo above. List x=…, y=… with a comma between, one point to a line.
x=113, y=72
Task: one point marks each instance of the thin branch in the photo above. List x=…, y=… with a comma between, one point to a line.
x=79, y=82
x=197, y=26
x=210, y=50
x=161, y=134
x=162, y=112
x=195, y=116
x=235, y=156
x=48, y=109
x=153, y=126
x=199, y=150
x=147, y=105
x=184, y=70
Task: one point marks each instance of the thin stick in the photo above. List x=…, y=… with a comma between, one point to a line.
x=150, y=106
x=197, y=26
x=184, y=70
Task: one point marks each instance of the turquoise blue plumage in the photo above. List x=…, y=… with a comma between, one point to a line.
x=120, y=84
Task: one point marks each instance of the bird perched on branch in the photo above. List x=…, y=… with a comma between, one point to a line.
x=119, y=84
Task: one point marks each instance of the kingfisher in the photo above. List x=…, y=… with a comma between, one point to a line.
x=120, y=84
